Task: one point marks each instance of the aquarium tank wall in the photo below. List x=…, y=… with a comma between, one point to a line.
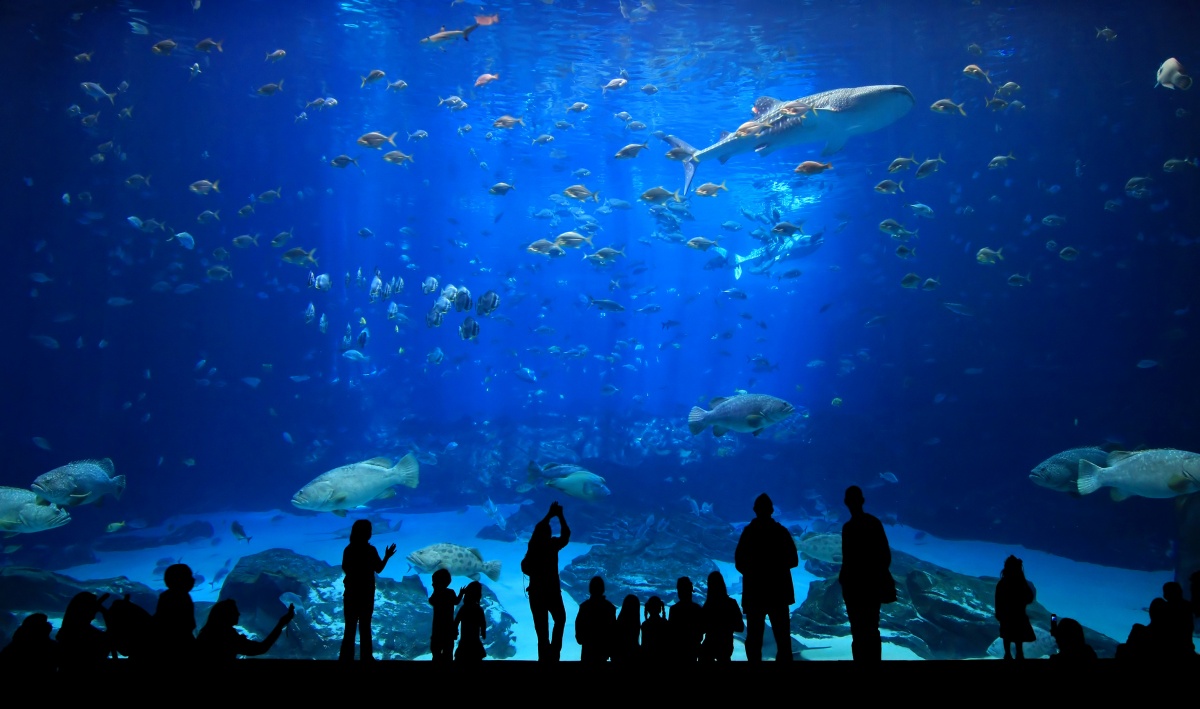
x=272, y=268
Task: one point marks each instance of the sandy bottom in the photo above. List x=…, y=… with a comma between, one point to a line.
x=1107, y=599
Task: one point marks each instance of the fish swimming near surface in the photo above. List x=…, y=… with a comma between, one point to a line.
x=744, y=413
x=1158, y=473
x=24, y=512
x=830, y=116
x=356, y=484
x=458, y=560
x=1061, y=472
x=82, y=482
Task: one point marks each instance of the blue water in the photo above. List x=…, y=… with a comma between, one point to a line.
x=959, y=408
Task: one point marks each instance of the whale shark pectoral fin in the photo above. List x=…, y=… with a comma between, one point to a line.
x=737, y=272
x=764, y=149
x=724, y=159
x=689, y=171
x=836, y=142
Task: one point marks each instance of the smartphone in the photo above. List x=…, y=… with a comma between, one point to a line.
x=1053, y=618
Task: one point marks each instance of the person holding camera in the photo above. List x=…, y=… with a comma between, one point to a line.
x=545, y=590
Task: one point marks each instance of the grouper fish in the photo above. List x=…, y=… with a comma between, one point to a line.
x=1161, y=473
x=744, y=413
x=356, y=484
x=830, y=116
x=1061, y=471
x=82, y=482
x=24, y=512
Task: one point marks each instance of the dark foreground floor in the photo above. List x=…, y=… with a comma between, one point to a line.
x=928, y=683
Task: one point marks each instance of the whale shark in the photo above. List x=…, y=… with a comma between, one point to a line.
x=830, y=116
x=761, y=260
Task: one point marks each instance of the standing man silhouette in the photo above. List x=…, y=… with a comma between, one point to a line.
x=765, y=556
x=545, y=590
x=864, y=576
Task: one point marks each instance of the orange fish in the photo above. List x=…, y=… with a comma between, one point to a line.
x=485, y=79
x=486, y=20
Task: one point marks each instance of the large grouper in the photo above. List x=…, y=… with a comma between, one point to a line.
x=744, y=413
x=830, y=116
x=356, y=484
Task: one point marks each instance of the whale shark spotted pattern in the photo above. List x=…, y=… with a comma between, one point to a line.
x=830, y=116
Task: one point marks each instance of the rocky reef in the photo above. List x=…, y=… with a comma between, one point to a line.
x=939, y=614
x=402, y=622
x=646, y=557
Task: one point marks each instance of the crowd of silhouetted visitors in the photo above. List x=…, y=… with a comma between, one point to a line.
x=686, y=631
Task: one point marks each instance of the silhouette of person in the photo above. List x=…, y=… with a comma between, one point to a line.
x=1013, y=594
x=360, y=563
x=595, y=624
x=545, y=590
x=220, y=642
x=1072, y=646
x=445, y=630
x=31, y=650
x=686, y=623
x=82, y=645
x=765, y=556
x=175, y=615
x=131, y=631
x=722, y=618
x=1194, y=585
x=1178, y=620
x=656, y=633
x=864, y=576
x=472, y=625
x=625, y=647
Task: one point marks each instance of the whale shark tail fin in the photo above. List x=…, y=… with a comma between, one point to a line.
x=689, y=166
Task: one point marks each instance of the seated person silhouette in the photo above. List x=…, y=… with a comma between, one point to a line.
x=472, y=625
x=31, y=649
x=131, y=631
x=82, y=645
x=1072, y=647
x=220, y=642
x=595, y=624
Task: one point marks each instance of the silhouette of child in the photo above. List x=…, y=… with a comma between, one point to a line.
x=656, y=639
x=472, y=626
x=722, y=618
x=360, y=562
x=175, y=614
x=443, y=600
x=595, y=624
x=1013, y=594
x=687, y=626
x=625, y=642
